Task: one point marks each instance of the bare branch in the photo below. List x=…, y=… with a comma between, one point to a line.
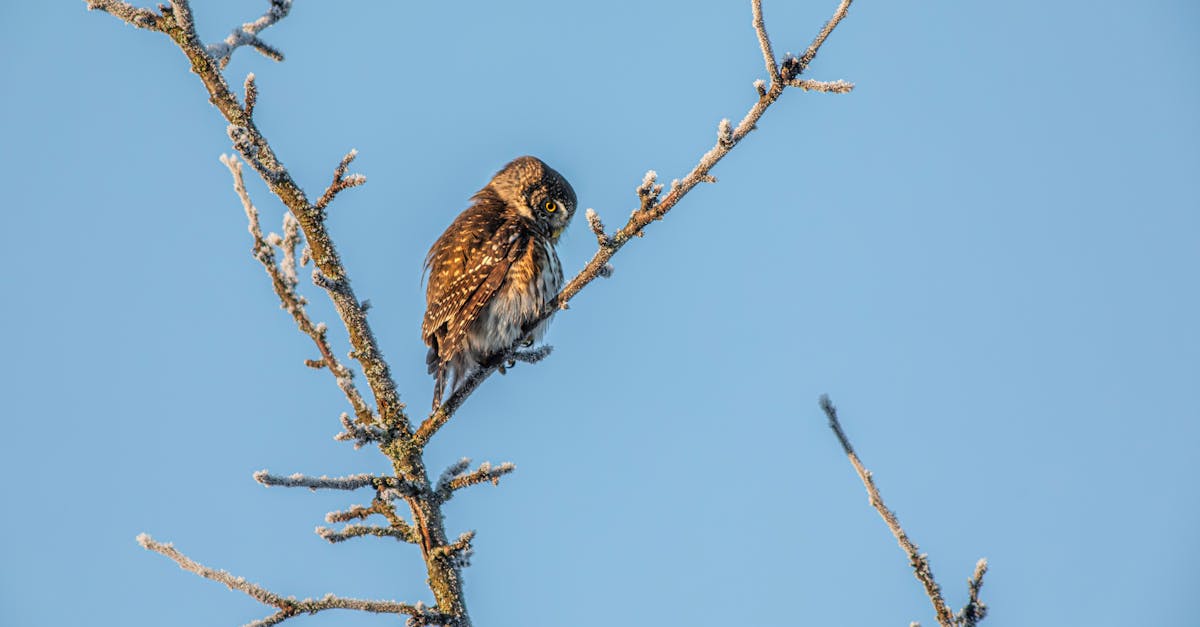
x=597, y=227
x=918, y=561
x=360, y=433
x=247, y=35
x=341, y=181
x=764, y=42
x=354, y=512
x=975, y=610
x=458, y=551
x=297, y=480
x=334, y=536
x=795, y=67
x=141, y=18
x=251, y=95
x=453, y=478
x=284, y=281
x=176, y=23
x=288, y=606
x=829, y=87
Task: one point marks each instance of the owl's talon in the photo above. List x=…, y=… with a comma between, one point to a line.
x=511, y=363
x=527, y=342
x=502, y=369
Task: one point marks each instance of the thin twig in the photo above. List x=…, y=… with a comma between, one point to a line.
x=819, y=40
x=357, y=531
x=764, y=41
x=247, y=35
x=828, y=87
x=350, y=482
x=975, y=610
x=251, y=95
x=456, y=478
x=918, y=561
x=341, y=181
x=288, y=606
x=141, y=18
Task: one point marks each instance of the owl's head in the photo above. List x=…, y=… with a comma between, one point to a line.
x=536, y=192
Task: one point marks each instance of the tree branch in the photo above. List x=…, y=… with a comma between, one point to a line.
x=356, y=531
x=247, y=35
x=284, y=281
x=975, y=610
x=351, y=482
x=918, y=560
x=176, y=22
x=456, y=478
x=288, y=606
x=341, y=181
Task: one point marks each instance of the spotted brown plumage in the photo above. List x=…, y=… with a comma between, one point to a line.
x=494, y=269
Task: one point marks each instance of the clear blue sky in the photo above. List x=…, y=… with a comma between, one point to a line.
x=987, y=254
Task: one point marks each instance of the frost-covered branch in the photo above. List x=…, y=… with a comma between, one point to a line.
x=288, y=606
x=829, y=87
x=362, y=434
x=247, y=35
x=975, y=610
x=284, y=280
x=341, y=181
x=351, y=482
x=356, y=531
x=919, y=561
x=141, y=18
x=456, y=478
x=176, y=22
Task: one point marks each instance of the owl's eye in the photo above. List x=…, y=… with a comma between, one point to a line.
x=550, y=206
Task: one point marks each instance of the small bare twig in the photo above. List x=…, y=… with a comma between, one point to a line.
x=918, y=560
x=334, y=536
x=829, y=87
x=141, y=18
x=975, y=610
x=351, y=482
x=458, y=551
x=247, y=35
x=362, y=434
x=341, y=181
x=456, y=478
x=354, y=512
x=288, y=606
x=251, y=95
x=597, y=227
x=764, y=42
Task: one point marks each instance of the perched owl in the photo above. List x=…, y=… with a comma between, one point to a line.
x=494, y=269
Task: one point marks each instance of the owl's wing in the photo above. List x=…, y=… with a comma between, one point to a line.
x=461, y=302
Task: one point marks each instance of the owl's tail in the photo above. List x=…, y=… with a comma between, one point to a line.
x=437, y=368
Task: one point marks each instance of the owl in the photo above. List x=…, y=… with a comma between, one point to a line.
x=494, y=269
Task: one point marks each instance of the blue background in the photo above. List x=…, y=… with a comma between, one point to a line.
x=986, y=254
